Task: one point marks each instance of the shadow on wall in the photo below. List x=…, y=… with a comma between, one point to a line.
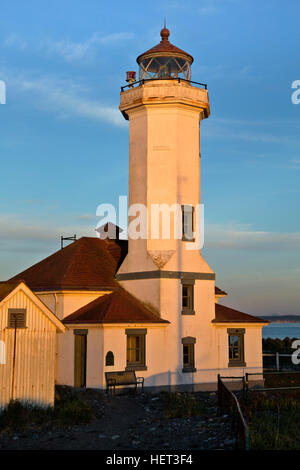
x=202, y=379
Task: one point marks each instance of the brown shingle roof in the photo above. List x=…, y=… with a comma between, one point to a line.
x=86, y=264
x=6, y=288
x=229, y=315
x=117, y=307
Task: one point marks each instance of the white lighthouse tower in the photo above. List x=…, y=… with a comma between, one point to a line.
x=165, y=109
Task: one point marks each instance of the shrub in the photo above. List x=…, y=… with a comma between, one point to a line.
x=18, y=415
x=181, y=405
x=74, y=411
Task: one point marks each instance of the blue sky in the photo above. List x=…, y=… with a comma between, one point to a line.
x=64, y=144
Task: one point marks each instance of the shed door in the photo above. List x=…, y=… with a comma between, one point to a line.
x=80, y=361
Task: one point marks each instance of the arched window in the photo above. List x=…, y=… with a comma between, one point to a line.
x=110, y=359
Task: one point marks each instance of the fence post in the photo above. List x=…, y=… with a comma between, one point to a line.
x=277, y=361
x=246, y=387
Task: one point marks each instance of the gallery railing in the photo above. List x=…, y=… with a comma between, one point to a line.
x=178, y=79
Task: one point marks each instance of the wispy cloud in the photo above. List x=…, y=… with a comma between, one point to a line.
x=24, y=242
x=14, y=40
x=65, y=98
x=69, y=50
x=87, y=217
x=271, y=132
x=294, y=164
x=205, y=8
x=14, y=229
x=241, y=237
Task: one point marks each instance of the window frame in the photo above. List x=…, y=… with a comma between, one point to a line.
x=188, y=210
x=141, y=364
x=188, y=342
x=109, y=359
x=240, y=360
x=16, y=311
x=189, y=284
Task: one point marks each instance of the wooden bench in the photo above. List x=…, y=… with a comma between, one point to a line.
x=122, y=378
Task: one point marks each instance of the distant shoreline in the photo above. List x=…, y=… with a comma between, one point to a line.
x=281, y=318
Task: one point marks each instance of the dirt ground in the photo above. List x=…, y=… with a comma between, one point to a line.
x=129, y=421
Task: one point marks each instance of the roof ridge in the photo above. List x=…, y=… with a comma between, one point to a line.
x=87, y=263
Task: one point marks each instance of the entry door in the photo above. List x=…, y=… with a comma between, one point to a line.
x=80, y=361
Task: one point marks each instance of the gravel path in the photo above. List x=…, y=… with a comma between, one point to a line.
x=132, y=421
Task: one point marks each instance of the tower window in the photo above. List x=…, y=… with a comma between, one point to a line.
x=187, y=223
x=136, y=349
x=236, y=347
x=188, y=296
x=188, y=354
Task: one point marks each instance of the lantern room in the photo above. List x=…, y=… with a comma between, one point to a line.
x=164, y=61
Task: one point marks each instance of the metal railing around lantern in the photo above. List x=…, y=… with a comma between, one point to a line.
x=178, y=79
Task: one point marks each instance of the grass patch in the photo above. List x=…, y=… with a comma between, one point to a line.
x=182, y=405
x=19, y=416
x=274, y=423
x=75, y=411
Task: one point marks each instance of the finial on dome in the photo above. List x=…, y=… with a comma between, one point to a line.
x=165, y=33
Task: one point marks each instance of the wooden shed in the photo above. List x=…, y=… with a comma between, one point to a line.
x=28, y=331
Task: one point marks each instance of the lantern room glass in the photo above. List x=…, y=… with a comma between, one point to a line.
x=164, y=67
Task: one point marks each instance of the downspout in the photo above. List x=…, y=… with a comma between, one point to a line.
x=14, y=360
x=56, y=342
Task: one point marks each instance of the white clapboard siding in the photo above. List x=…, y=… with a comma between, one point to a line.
x=35, y=354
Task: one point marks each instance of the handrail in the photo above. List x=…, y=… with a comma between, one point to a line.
x=274, y=372
x=241, y=428
x=271, y=389
x=179, y=79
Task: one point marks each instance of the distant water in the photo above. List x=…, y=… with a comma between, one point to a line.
x=281, y=330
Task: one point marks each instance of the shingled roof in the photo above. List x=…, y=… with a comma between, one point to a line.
x=218, y=291
x=229, y=315
x=86, y=264
x=116, y=307
x=6, y=288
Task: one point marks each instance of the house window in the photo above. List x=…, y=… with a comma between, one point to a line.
x=236, y=347
x=188, y=354
x=136, y=349
x=16, y=318
x=188, y=296
x=187, y=223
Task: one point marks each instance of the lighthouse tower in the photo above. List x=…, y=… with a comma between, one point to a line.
x=165, y=109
